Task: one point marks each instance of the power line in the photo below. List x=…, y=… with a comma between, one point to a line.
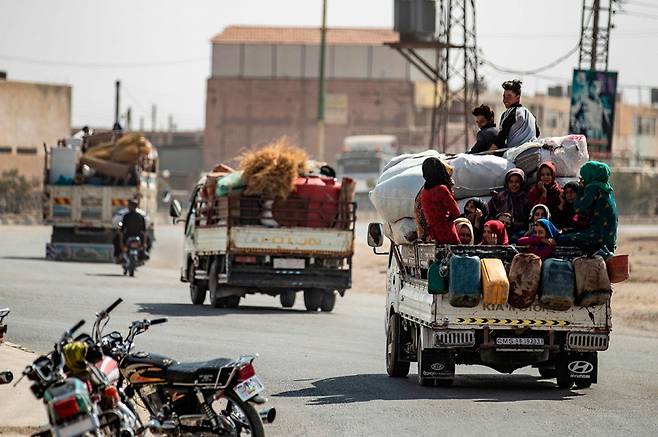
x=101, y=64
x=641, y=4
x=639, y=14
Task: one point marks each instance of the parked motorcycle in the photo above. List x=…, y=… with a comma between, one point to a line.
x=133, y=255
x=216, y=397
x=6, y=376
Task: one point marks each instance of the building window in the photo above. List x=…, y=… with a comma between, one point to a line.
x=26, y=150
x=5, y=149
x=644, y=126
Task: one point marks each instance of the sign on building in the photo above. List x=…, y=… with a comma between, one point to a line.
x=593, y=109
x=335, y=109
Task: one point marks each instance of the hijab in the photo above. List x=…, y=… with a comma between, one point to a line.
x=498, y=228
x=479, y=203
x=553, y=169
x=550, y=228
x=539, y=205
x=514, y=203
x=462, y=221
x=597, y=174
x=436, y=172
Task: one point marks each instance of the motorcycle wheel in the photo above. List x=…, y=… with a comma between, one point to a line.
x=244, y=415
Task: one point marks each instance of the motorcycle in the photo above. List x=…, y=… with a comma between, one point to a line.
x=6, y=376
x=132, y=255
x=216, y=397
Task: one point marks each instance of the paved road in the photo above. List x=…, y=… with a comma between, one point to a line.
x=324, y=372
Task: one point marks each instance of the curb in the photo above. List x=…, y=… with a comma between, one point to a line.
x=24, y=220
x=18, y=346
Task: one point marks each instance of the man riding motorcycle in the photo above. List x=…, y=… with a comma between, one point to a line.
x=131, y=224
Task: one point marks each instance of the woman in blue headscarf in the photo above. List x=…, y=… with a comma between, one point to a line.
x=596, y=206
x=542, y=240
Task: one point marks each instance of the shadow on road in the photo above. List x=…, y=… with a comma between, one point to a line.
x=25, y=258
x=107, y=275
x=475, y=387
x=184, y=310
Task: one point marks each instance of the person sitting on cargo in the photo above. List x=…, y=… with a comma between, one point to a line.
x=476, y=211
x=595, y=202
x=486, y=136
x=513, y=200
x=547, y=190
x=133, y=224
x=542, y=240
x=438, y=203
x=537, y=212
x=564, y=216
x=517, y=124
x=507, y=220
x=494, y=234
x=465, y=231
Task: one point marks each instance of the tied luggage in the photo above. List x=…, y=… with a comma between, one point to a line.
x=464, y=284
x=557, y=284
x=524, y=278
x=495, y=285
x=592, y=282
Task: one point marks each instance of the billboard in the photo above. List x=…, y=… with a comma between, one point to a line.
x=593, y=109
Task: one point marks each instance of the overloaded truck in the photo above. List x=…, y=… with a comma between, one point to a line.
x=237, y=243
x=88, y=180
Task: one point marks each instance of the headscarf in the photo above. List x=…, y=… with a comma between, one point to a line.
x=514, y=203
x=463, y=221
x=573, y=185
x=597, y=174
x=553, y=170
x=479, y=203
x=540, y=205
x=436, y=172
x=498, y=228
x=550, y=228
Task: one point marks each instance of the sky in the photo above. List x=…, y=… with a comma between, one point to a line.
x=160, y=49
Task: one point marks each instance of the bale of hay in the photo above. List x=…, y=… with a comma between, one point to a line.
x=270, y=171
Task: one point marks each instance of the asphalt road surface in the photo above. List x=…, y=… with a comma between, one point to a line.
x=324, y=373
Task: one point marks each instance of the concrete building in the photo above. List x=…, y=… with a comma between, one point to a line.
x=264, y=85
x=31, y=114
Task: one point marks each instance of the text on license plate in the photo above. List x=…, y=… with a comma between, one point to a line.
x=289, y=263
x=519, y=341
x=249, y=388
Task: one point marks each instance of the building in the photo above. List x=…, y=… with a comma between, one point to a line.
x=264, y=84
x=31, y=115
x=180, y=159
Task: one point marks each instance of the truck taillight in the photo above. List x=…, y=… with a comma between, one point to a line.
x=246, y=259
x=66, y=408
x=246, y=372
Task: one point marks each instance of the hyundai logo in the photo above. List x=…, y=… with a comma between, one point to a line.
x=580, y=367
x=437, y=367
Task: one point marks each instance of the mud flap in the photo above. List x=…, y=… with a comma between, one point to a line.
x=437, y=364
x=583, y=366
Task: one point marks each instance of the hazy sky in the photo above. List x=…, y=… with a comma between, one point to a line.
x=160, y=49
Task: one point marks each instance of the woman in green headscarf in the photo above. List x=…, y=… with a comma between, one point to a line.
x=596, y=205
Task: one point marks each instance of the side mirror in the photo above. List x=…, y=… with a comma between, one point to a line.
x=375, y=235
x=175, y=209
x=166, y=196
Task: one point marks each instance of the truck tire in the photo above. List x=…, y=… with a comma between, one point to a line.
x=394, y=367
x=197, y=290
x=547, y=372
x=287, y=298
x=231, y=301
x=563, y=378
x=328, y=301
x=213, y=286
x=312, y=299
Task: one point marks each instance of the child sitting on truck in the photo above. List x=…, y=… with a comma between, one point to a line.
x=547, y=190
x=438, y=203
x=494, y=234
x=465, y=231
x=542, y=242
x=539, y=211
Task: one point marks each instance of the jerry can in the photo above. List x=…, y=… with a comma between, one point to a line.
x=495, y=285
x=524, y=280
x=557, y=284
x=464, y=281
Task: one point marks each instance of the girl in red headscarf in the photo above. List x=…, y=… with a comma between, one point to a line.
x=547, y=190
x=438, y=203
x=494, y=234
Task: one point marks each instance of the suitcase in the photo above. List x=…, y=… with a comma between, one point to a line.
x=464, y=284
x=495, y=285
x=524, y=279
x=557, y=284
x=592, y=281
x=437, y=278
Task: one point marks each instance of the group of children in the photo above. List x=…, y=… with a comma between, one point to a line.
x=541, y=216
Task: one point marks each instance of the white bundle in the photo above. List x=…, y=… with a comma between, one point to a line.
x=568, y=153
x=478, y=175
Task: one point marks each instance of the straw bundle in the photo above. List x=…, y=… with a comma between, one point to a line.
x=271, y=171
x=127, y=150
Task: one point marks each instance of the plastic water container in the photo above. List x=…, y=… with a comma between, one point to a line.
x=465, y=285
x=63, y=161
x=524, y=279
x=557, y=284
x=495, y=285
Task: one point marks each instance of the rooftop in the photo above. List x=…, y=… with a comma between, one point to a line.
x=303, y=35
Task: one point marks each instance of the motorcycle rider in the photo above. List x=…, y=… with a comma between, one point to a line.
x=133, y=224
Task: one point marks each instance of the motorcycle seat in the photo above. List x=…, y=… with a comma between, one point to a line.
x=202, y=371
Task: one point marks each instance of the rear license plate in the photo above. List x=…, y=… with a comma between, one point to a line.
x=77, y=428
x=289, y=263
x=519, y=341
x=249, y=388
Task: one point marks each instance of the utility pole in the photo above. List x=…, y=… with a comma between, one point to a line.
x=321, y=85
x=595, y=34
x=117, y=87
x=596, y=26
x=154, y=118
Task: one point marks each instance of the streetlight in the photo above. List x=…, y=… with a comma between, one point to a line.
x=321, y=85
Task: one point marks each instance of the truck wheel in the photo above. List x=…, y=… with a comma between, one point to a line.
x=231, y=301
x=287, y=298
x=395, y=367
x=197, y=290
x=328, y=301
x=312, y=299
x=547, y=372
x=213, y=286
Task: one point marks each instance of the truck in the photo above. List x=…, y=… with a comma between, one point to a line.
x=363, y=158
x=424, y=328
x=83, y=204
x=236, y=245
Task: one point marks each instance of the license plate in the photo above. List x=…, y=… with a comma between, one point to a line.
x=249, y=388
x=289, y=263
x=77, y=428
x=519, y=341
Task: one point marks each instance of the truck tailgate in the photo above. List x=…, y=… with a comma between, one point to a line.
x=291, y=240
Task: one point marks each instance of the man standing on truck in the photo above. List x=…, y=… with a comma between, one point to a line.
x=517, y=124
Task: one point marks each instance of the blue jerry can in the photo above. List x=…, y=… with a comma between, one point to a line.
x=557, y=284
x=465, y=287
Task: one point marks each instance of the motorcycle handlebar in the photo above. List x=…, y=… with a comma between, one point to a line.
x=76, y=327
x=158, y=321
x=114, y=305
